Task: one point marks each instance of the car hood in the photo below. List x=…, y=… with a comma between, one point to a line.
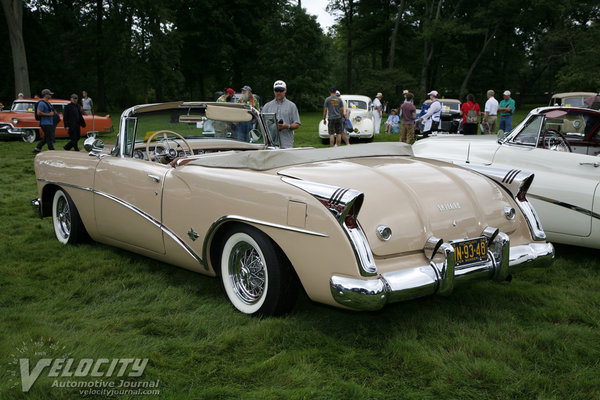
x=416, y=198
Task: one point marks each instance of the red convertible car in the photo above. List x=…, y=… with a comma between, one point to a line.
x=20, y=121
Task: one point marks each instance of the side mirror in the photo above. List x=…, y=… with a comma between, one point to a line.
x=94, y=146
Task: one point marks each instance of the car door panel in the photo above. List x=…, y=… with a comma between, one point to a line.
x=563, y=189
x=127, y=201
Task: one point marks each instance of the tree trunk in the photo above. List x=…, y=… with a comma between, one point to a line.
x=395, y=34
x=101, y=92
x=349, y=13
x=486, y=42
x=428, y=45
x=13, y=10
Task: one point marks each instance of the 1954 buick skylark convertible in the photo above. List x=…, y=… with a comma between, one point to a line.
x=203, y=186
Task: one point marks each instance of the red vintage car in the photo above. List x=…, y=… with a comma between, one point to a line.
x=20, y=121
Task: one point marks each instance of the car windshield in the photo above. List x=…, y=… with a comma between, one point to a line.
x=362, y=105
x=528, y=134
x=193, y=123
x=23, y=106
x=571, y=124
x=573, y=101
x=447, y=106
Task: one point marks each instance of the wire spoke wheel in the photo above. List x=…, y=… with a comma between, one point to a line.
x=256, y=276
x=68, y=227
x=247, y=272
x=64, y=217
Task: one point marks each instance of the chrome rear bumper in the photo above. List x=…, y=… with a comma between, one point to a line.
x=440, y=275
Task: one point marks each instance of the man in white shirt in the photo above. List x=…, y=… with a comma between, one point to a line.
x=491, y=112
x=377, y=112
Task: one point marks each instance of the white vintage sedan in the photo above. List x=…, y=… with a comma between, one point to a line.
x=565, y=191
x=355, y=226
x=360, y=116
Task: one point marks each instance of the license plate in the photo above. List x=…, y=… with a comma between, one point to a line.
x=470, y=251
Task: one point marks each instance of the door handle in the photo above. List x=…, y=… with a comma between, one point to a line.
x=595, y=164
x=154, y=177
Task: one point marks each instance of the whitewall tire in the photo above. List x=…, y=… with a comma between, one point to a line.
x=256, y=276
x=65, y=218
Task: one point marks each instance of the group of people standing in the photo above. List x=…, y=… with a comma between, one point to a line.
x=430, y=116
x=72, y=117
x=286, y=112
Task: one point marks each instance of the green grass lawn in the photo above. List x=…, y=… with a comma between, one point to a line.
x=537, y=337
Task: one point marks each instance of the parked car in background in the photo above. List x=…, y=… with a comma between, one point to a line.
x=570, y=99
x=551, y=143
x=267, y=221
x=360, y=117
x=450, y=119
x=20, y=121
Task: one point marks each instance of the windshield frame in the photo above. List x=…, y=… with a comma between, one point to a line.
x=129, y=120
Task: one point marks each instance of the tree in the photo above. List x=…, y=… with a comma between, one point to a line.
x=348, y=9
x=13, y=11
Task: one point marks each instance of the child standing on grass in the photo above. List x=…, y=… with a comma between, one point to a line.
x=392, y=123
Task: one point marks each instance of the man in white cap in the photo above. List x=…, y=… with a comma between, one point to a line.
x=377, y=112
x=286, y=113
x=506, y=108
x=431, y=119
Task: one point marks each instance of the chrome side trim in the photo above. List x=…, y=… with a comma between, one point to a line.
x=566, y=205
x=141, y=213
x=89, y=189
x=238, y=218
x=362, y=250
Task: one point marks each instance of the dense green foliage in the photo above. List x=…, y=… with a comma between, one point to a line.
x=537, y=337
x=131, y=51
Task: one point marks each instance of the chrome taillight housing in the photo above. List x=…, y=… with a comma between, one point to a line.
x=345, y=205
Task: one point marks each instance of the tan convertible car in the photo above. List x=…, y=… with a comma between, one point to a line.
x=203, y=186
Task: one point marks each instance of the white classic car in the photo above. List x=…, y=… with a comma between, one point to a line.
x=571, y=99
x=267, y=221
x=565, y=191
x=359, y=108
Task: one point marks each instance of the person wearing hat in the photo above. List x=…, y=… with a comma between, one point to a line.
x=244, y=128
x=405, y=93
x=286, y=114
x=47, y=121
x=20, y=96
x=431, y=119
x=506, y=108
x=226, y=97
x=333, y=111
x=73, y=118
x=377, y=113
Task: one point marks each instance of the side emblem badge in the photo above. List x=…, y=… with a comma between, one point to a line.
x=193, y=235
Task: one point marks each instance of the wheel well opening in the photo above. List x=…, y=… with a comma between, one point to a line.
x=47, y=196
x=216, y=245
